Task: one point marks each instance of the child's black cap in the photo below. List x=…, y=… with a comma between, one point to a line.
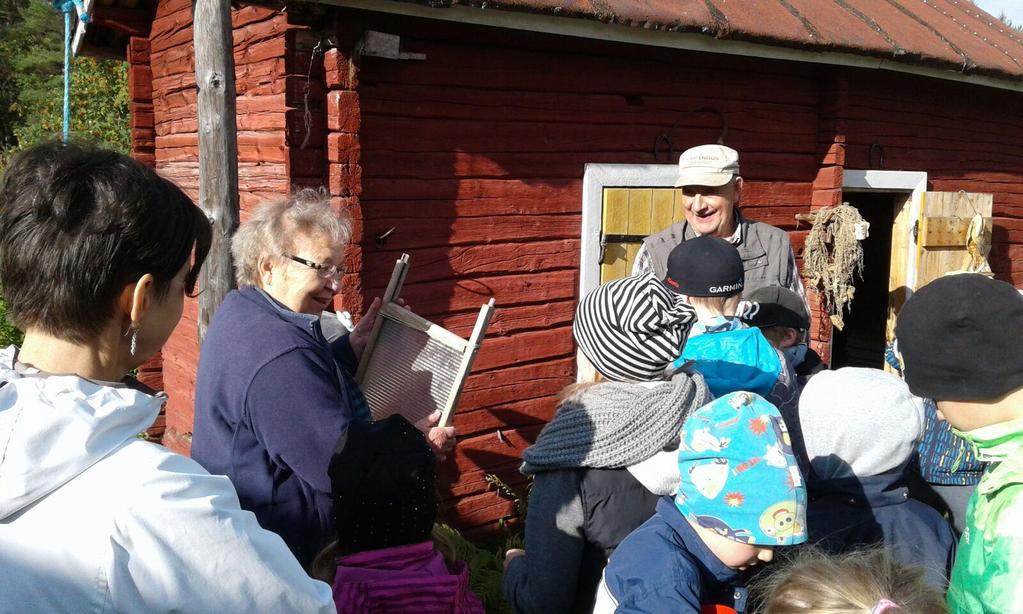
x=383, y=478
x=776, y=306
x=705, y=266
x=960, y=339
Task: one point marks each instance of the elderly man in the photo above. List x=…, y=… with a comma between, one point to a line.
x=711, y=188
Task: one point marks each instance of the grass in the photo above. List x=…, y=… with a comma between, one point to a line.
x=486, y=559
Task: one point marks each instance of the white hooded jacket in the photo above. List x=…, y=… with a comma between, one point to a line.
x=94, y=519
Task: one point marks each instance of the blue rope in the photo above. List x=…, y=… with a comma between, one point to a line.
x=66, y=7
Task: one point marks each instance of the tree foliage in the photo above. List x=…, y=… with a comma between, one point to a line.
x=31, y=83
x=32, y=93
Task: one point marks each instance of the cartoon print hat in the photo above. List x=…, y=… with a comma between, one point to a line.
x=739, y=476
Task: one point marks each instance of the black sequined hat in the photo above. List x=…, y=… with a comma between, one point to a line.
x=383, y=478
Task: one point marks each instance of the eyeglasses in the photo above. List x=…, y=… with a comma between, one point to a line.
x=323, y=271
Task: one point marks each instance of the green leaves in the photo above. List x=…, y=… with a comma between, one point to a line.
x=31, y=83
x=9, y=335
x=32, y=93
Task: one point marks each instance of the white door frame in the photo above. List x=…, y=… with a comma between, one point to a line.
x=596, y=177
x=913, y=182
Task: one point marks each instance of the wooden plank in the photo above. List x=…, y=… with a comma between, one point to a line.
x=615, y=263
x=440, y=263
x=616, y=211
x=448, y=188
x=640, y=209
x=944, y=232
x=469, y=356
x=520, y=68
x=679, y=208
x=515, y=318
x=510, y=385
x=437, y=232
x=218, y=149
x=434, y=298
x=631, y=250
x=935, y=262
x=402, y=134
x=520, y=348
x=662, y=209
x=898, y=292
x=130, y=21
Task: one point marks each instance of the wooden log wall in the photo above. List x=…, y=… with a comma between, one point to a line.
x=475, y=157
x=275, y=78
x=343, y=121
x=143, y=149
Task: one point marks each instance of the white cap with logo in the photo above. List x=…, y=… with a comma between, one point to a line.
x=710, y=165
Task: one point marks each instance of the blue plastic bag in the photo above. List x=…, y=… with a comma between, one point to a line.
x=734, y=360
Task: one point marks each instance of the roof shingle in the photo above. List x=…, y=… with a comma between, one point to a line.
x=952, y=34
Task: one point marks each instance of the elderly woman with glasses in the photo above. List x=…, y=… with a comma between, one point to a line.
x=272, y=396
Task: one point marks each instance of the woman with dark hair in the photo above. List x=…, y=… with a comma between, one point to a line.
x=97, y=253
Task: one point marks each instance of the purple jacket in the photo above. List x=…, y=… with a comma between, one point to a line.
x=412, y=578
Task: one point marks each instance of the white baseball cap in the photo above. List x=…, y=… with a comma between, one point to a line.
x=711, y=165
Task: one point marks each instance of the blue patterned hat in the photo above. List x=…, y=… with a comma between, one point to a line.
x=739, y=477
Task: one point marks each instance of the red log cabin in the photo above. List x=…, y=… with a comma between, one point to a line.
x=501, y=143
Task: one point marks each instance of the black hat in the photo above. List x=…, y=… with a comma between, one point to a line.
x=960, y=339
x=776, y=306
x=705, y=266
x=383, y=480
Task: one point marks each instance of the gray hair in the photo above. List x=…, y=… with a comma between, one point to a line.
x=273, y=226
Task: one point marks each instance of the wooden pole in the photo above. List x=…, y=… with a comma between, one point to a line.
x=218, y=148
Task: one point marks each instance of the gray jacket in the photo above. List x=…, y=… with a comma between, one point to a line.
x=765, y=250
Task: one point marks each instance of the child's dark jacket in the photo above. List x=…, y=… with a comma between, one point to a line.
x=664, y=566
x=849, y=513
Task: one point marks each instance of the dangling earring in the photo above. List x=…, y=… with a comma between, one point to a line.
x=134, y=330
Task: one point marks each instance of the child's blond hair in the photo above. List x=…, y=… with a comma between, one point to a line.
x=716, y=305
x=858, y=582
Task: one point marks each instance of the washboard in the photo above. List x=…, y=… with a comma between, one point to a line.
x=411, y=366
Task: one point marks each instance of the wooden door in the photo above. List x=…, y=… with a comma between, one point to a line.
x=943, y=233
x=628, y=216
x=941, y=236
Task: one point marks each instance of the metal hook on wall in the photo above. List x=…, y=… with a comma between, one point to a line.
x=664, y=145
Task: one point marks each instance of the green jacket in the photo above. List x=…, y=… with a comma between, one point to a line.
x=987, y=577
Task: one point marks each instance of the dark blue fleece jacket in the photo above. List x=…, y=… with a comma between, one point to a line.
x=271, y=400
x=664, y=566
x=850, y=513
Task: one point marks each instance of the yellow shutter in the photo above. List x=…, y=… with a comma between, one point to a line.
x=628, y=216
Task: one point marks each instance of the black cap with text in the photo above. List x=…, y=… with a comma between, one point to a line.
x=705, y=266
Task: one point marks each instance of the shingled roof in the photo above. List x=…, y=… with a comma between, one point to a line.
x=952, y=34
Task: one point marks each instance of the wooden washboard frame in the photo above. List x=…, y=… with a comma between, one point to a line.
x=412, y=366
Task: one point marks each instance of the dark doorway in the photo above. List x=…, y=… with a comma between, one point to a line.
x=861, y=342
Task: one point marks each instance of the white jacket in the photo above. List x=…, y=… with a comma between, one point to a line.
x=94, y=519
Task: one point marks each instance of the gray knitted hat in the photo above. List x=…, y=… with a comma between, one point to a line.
x=612, y=425
x=859, y=422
